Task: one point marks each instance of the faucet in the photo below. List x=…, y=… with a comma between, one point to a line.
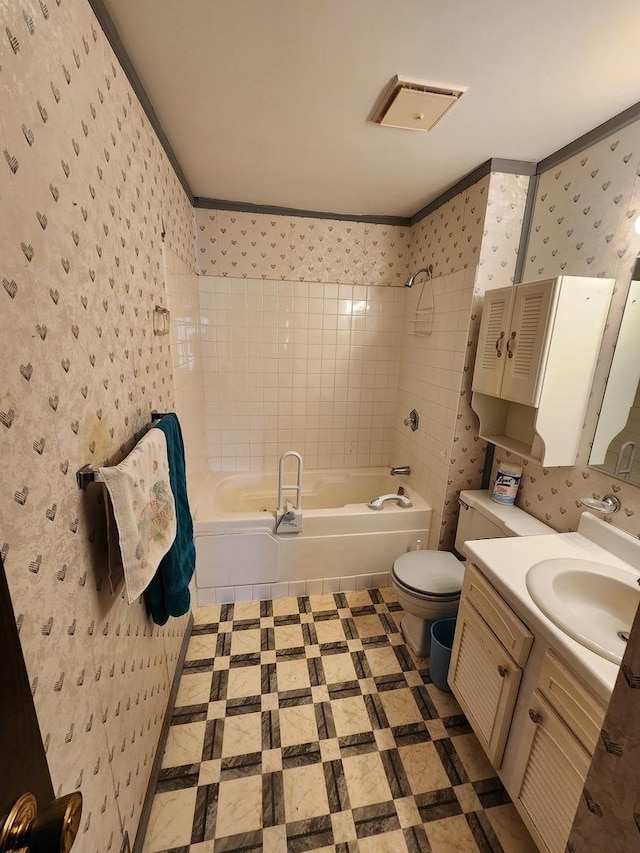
x=401, y=500
x=402, y=471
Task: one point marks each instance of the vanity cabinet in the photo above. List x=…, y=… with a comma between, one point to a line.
x=486, y=662
x=562, y=728
x=538, y=723
x=537, y=351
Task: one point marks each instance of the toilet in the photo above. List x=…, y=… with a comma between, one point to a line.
x=428, y=583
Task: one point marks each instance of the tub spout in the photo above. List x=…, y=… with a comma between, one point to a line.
x=402, y=471
x=378, y=503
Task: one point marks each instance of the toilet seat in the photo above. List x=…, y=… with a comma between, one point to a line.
x=435, y=574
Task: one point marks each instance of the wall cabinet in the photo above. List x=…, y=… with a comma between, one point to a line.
x=529, y=709
x=537, y=351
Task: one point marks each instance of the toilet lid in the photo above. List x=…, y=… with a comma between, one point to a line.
x=432, y=572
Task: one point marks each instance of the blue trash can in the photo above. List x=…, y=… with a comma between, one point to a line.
x=442, y=632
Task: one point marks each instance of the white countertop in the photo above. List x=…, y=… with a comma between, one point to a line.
x=505, y=563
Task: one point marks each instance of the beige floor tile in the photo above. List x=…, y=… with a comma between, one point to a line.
x=239, y=806
x=451, y=835
x=202, y=646
x=330, y=631
x=244, y=681
x=384, y=739
x=271, y=760
x=285, y=606
x=305, y=793
x=293, y=675
x=246, y=610
x=388, y=594
x=408, y=813
x=436, y=729
x=194, y=689
x=242, y=734
x=446, y=703
x=467, y=798
x=274, y=839
x=511, y=831
x=298, y=725
x=210, y=772
x=350, y=716
x=344, y=828
x=206, y=615
x=366, y=780
x=383, y=661
x=473, y=757
x=330, y=749
x=245, y=642
x=386, y=842
x=171, y=820
x=358, y=598
x=288, y=636
x=369, y=626
x=320, y=603
x=184, y=744
x=400, y=707
x=202, y=847
x=423, y=768
x=338, y=668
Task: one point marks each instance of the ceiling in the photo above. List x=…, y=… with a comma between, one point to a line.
x=267, y=101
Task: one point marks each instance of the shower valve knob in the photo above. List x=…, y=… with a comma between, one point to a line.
x=413, y=420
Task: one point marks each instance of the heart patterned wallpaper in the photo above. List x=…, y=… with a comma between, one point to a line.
x=86, y=193
x=583, y=219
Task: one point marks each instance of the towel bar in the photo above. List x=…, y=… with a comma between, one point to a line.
x=88, y=474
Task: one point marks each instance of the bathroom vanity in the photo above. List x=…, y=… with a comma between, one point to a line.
x=535, y=696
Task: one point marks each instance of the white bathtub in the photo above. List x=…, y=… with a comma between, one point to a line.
x=343, y=543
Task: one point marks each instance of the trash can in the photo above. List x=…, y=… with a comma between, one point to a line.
x=442, y=632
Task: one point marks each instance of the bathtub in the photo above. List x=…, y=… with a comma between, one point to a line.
x=343, y=543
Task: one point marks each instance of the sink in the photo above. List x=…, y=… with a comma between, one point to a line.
x=592, y=602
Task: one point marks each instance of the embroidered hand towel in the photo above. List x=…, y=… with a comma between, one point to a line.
x=144, y=510
x=168, y=593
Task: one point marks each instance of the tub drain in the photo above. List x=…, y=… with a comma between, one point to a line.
x=624, y=636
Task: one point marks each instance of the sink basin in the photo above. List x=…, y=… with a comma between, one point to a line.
x=592, y=602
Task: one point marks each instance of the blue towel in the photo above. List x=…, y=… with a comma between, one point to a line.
x=168, y=593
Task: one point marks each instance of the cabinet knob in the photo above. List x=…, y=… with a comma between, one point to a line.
x=510, y=340
x=498, y=347
x=502, y=671
x=534, y=716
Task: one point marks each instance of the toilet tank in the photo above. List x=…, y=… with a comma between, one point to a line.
x=482, y=518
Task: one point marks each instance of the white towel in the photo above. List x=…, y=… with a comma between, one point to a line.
x=144, y=511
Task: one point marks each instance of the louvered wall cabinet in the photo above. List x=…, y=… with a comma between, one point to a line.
x=537, y=351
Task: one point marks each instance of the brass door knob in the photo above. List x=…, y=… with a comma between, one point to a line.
x=52, y=830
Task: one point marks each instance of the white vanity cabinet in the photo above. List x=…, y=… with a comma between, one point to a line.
x=561, y=731
x=536, y=720
x=537, y=351
x=486, y=662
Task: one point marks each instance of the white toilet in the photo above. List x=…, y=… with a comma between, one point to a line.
x=428, y=583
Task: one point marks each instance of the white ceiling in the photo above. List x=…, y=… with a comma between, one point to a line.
x=267, y=101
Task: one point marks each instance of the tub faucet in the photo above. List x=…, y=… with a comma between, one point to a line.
x=402, y=471
x=378, y=503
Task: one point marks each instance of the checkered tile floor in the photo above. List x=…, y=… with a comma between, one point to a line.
x=306, y=724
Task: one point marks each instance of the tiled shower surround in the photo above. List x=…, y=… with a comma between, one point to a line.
x=299, y=365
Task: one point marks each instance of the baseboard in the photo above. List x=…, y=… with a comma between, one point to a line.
x=164, y=733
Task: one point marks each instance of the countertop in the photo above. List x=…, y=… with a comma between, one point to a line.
x=505, y=563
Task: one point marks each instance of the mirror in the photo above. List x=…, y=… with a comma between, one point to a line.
x=616, y=447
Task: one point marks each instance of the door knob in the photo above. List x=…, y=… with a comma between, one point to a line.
x=52, y=830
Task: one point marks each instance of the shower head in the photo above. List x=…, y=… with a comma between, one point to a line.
x=429, y=271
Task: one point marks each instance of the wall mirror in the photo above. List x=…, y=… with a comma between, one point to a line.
x=616, y=447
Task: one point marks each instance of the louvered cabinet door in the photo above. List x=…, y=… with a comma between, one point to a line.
x=484, y=680
x=554, y=769
x=492, y=338
x=527, y=342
